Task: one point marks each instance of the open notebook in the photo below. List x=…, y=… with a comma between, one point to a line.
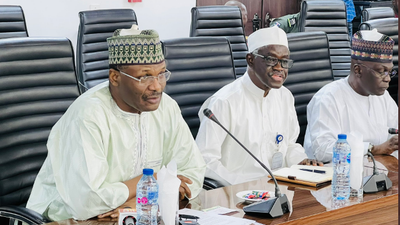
x=301, y=174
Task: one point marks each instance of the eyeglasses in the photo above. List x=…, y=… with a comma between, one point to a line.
x=391, y=73
x=272, y=61
x=147, y=80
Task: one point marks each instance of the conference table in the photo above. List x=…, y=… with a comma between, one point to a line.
x=308, y=205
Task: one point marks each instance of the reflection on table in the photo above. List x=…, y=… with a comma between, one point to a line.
x=308, y=204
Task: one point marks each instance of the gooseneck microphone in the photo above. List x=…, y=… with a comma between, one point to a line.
x=393, y=131
x=377, y=181
x=273, y=207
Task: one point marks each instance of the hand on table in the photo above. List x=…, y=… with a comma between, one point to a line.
x=115, y=213
x=387, y=147
x=311, y=162
x=184, y=189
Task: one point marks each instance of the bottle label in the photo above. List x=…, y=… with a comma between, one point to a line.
x=348, y=158
x=142, y=200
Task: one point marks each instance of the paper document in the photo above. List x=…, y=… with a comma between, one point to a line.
x=214, y=219
x=219, y=210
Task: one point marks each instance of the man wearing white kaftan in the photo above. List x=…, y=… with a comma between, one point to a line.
x=358, y=103
x=255, y=121
x=109, y=146
x=99, y=147
x=337, y=109
x=258, y=111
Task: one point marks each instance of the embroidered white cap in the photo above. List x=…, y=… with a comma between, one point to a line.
x=267, y=36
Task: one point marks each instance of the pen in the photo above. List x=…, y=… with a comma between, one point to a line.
x=314, y=171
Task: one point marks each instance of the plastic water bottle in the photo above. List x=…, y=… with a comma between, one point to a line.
x=341, y=169
x=147, y=199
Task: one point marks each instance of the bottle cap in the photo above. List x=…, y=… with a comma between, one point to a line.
x=342, y=136
x=147, y=171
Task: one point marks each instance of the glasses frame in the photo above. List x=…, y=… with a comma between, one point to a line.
x=290, y=61
x=392, y=73
x=143, y=80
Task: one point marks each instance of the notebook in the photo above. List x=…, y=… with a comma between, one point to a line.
x=307, y=175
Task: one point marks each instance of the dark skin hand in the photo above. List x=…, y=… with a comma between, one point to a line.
x=386, y=148
x=183, y=191
x=311, y=162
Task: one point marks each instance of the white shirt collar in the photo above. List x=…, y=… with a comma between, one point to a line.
x=248, y=83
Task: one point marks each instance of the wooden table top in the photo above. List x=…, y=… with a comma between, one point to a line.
x=308, y=205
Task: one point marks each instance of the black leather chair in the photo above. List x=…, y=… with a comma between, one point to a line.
x=222, y=21
x=12, y=22
x=330, y=17
x=377, y=13
x=388, y=26
x=92, y=50
x=310, y=72
x=37, y=85
x=200, y=67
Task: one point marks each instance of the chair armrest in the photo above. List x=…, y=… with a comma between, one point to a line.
x=211, y=184
x=22, y=214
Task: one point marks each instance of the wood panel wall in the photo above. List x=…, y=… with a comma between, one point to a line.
x=275, y=8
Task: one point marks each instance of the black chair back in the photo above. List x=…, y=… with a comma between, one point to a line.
x=310, y=72
x=12, y=22
x=222, y=21
x=377, y=13
x=37, y=85
x=92, y=50
x=330, y=17
x=389, y=27
x=200, y=67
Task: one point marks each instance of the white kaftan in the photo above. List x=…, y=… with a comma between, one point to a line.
x=337, y=108
x=255, y=121
x=95, y=146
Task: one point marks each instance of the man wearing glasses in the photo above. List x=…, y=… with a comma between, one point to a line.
x=258, y=111
x=358, y=103
x=98, y=149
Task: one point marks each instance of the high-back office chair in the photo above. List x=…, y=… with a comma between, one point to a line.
x=92, y=50
x=200, y=67
x=330, y=17
x=388, y=26
x=12, y=22
x=310, y=72
x=37, y=85
x=377, y=13
x=222, y=21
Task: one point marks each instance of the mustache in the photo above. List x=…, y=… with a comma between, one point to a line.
x=276, y=73
x=152, y=95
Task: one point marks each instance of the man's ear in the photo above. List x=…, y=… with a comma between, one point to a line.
x=114, y=77
x=250, y=59
x=357, y=70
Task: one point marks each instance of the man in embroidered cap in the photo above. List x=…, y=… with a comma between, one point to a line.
x=258, y=111
x=98, y=149
x=358, y=103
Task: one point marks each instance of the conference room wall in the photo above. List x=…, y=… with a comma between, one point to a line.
x=59, y=18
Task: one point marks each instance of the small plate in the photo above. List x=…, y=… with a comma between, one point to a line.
x=244, y=193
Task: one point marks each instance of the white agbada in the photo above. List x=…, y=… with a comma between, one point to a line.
x=96, y=146
x=255, y=121
x=337, y=108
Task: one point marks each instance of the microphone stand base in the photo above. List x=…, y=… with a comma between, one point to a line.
x=273, y=207
x=376, y=182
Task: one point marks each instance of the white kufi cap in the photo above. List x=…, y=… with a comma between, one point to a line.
x=267, y=36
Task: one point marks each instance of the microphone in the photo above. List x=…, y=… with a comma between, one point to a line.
x=377, y=181
x=273, y=207
x=393, y=131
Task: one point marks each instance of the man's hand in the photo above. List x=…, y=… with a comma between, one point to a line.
x=184, y=189
x=115, y=213
x=387, y=147
x=311, y=162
